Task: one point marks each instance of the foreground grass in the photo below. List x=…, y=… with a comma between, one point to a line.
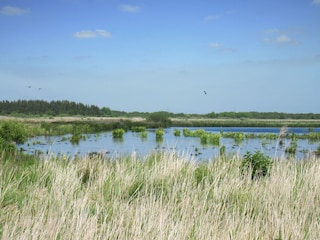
x=164, y=196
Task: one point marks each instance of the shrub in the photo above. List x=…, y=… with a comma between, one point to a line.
x=118, y=133
x=7, y=146
x=144, y=134
x=176, y=132
x=13, y=132
x=258, y=163
x=159, y=133
x=292, y=149
x=138, y=129
x=187, y=132
x=160, y=118
x=210, y=138
x=239, y=136
x=214, y=139
x=75, y=139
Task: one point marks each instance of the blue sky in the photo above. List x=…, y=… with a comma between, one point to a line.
x=162, y=55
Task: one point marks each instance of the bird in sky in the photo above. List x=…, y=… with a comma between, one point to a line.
x=205, y=92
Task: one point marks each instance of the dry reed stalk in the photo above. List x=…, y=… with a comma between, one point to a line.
x=159, y=198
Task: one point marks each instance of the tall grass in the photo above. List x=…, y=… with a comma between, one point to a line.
x=163, y=196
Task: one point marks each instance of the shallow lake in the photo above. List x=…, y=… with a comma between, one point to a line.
x=190, y=146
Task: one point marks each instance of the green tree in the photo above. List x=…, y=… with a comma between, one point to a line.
x=106, y=111
x=160, y=118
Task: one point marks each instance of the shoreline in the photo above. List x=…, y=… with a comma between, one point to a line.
x=175, y=122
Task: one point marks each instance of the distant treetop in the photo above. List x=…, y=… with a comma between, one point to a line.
x=69, y=108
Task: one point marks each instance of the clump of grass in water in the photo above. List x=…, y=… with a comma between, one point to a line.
x=118, y=133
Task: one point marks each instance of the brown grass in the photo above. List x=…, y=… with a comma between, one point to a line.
x=159, y=197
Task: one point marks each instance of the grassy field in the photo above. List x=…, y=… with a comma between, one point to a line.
x=202, y=122
x=163, y=196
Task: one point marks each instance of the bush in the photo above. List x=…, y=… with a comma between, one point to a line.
x=210, y=138
x=177, y=133
x=7, y=146
x=138, y=129
x=258, y=163
x=76, y=137
x=292, y=149
x=144, y=134
x=118, y=133
x=13, y=132
x=159, y=133
x=160, y=118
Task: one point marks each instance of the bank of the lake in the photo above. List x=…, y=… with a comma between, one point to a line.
x=175, y=122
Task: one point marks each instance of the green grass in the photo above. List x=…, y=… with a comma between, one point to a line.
x=162, y=196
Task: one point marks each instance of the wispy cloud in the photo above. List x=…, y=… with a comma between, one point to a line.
x=92, y=34
x=277, y=36
x=13, y=11
x=281, y=39
x=129, y=8
x=103, y=33
x=221, y=47
x=316, y=2
x=213, y=17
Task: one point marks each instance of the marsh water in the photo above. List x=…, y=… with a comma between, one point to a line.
x=133, y=143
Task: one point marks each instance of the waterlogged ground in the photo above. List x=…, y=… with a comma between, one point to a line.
x=133, y=143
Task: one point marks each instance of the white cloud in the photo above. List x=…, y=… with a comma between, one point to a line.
x=221, y=47
x=92, y=34
x=316, y=2
x=129, y=8
x=281, y=39
x=211, y=17
x=103, y=33
x=215, y=45
x=85, y=34
x=13, y=11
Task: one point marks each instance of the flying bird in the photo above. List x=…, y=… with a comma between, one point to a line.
x=205, y=92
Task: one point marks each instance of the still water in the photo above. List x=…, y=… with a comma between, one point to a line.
x=189, y=146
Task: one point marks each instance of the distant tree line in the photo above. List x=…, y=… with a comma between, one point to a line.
x=69, y=108
x=264, y=115
x=53, y=108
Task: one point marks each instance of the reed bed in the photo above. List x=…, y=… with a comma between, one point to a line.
x=162, y=196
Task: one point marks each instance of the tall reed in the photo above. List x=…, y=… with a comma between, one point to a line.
x=162, y=196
